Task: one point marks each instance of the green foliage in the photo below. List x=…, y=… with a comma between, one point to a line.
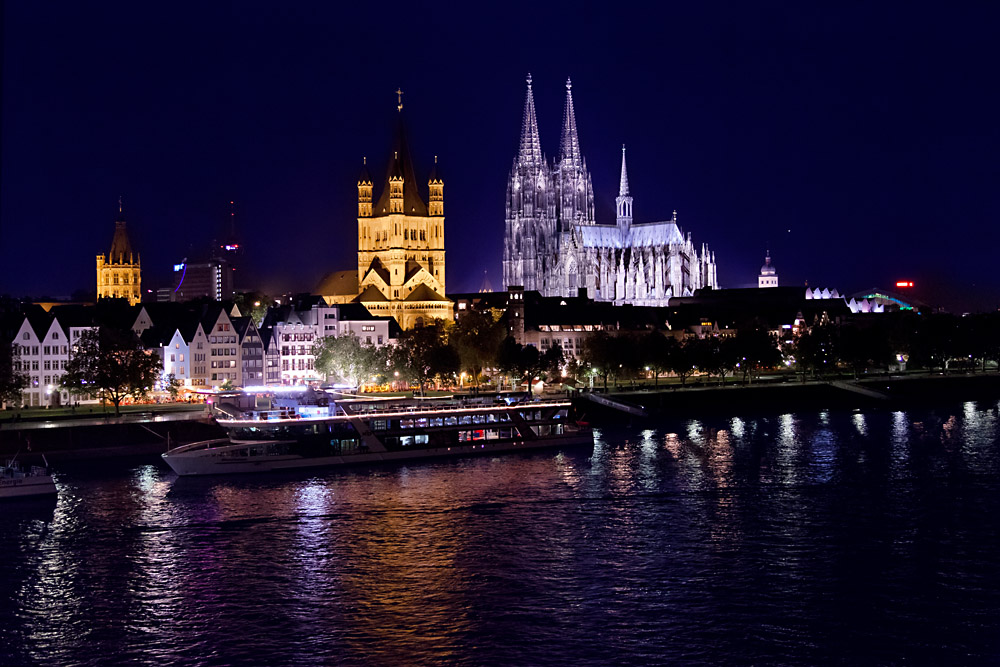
x=172, y=386
x=477, y=336
x=111, y=364
x=347, y=359
x=423, y=353
x=12, y=382
x=253, y=305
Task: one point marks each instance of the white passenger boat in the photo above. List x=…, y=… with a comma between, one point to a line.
x=299, y=433
x=16, y=482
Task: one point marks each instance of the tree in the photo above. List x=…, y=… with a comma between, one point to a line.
x=172, y=386
x=551, y=361
x=681, y=359
x=477, y=336
x=419, y=355
x=508, y=359
x=253, y=305
x=347, y=359
x=655, y=350
x=599, y=352
x=12, y=381
x=111, y=364
x=755, y=349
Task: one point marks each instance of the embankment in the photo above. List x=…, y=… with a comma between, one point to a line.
x=100, y=440
x=883, y=392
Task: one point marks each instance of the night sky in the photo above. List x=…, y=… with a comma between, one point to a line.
x=859, y=143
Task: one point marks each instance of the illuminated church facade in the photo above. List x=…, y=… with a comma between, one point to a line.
x=553, y=243
x=119, y=273
x=401, y=261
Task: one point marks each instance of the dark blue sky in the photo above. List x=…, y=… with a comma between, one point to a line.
x=860, y=142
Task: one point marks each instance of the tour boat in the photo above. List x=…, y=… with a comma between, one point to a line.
x=288, y=434
x=18, y=483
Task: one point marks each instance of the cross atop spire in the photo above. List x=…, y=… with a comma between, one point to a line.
x=623, y=185
x=569, y=149
x=399, y=100
x=531, y=146
x=119, y=203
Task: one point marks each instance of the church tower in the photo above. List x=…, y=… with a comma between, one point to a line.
x=623, y=201
x=401, y=269
x=575, y=192
x=364, y=191
x=768, y=274
x=118, y=272
x=530, y=226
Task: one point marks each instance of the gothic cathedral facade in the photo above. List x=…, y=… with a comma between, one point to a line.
x=553, y=244
x=401, y=271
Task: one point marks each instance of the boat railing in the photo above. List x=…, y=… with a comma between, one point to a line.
x=201, y=444
x=416, y=409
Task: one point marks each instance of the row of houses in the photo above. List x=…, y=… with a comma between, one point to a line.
x=204, y=345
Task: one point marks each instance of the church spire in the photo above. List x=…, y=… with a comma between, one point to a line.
x=569, y=149
x=623, y=201
x=531, y=147
x=623, y=186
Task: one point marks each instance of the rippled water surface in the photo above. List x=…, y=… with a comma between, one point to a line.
x=822, y=537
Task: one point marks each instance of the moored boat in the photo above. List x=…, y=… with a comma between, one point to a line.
x=299, y=433
x=16, y=482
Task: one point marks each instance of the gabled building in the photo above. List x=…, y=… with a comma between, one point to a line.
x=251, y=352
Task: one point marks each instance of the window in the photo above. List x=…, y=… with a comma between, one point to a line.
x=55, y=335
x=171, y=357
x=25, y=336
x=48, y=365
x=182, y=359
x=47, y=350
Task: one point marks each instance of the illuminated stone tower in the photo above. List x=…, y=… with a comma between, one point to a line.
x=768, y=274
x=401, y=268
x=530, y=227
x=118, y=273
x=623, y=201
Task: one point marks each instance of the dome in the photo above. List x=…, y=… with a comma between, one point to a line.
x=767, y=269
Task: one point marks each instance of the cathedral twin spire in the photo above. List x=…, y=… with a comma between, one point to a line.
x=569, y=148
x=531, y=146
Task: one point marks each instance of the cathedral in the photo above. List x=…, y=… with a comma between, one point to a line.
x=118, y=272
x=553, y=244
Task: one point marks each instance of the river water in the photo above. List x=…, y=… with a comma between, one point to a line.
x=825, y=537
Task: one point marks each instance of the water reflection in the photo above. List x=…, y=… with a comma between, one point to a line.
x=772, y=540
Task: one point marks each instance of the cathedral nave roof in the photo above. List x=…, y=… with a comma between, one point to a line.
x=645, y=235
